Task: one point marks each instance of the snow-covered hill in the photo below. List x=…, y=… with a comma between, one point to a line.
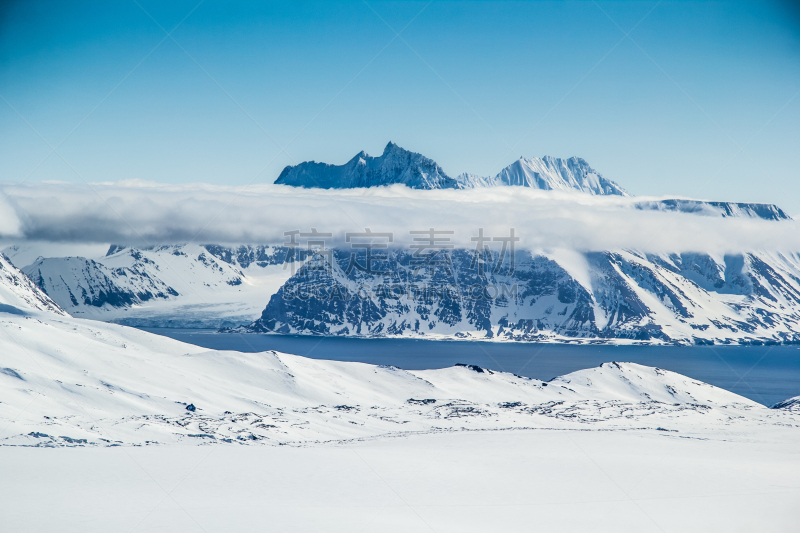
x=103, y=384
x=619, y=296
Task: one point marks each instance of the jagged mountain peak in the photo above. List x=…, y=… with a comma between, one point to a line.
x=552, y=174
x=547, y=173
x=395, y=166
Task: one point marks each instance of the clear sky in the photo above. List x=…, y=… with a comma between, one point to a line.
x=688, y=98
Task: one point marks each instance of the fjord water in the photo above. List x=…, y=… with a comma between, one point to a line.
x=765, y=374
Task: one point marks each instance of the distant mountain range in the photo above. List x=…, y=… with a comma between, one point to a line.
x=399, y=166
x=690, y=298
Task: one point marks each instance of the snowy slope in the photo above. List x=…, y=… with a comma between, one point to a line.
x=95, y=383
x=454, y=448
x=19, y=295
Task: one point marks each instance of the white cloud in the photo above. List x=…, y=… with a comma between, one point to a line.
x=143, y=213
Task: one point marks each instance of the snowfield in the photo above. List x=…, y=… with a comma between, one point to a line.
x=509, y=481
x=70, y=382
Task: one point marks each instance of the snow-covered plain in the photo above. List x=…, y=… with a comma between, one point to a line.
x=106, y=428
x=536, y=480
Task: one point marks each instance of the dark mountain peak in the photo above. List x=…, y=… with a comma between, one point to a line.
x=395, y=166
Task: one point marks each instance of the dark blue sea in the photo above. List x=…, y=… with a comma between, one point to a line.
x=766, y=374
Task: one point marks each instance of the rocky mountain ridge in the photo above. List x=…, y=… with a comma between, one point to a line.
x=620, y=296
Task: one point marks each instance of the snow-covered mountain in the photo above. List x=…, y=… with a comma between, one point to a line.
x=619, y=296
x=395, y=165
x=176, y=285
x=549, y=174
x=789, y=404
x=399, y=166
x=19, y=295
x=83, y=283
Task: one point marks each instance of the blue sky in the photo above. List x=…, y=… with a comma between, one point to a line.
x=699, y=99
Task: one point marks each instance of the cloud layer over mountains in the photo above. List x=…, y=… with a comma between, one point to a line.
x=140, y=213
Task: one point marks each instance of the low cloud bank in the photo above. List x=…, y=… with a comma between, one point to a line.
x=139, y=214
